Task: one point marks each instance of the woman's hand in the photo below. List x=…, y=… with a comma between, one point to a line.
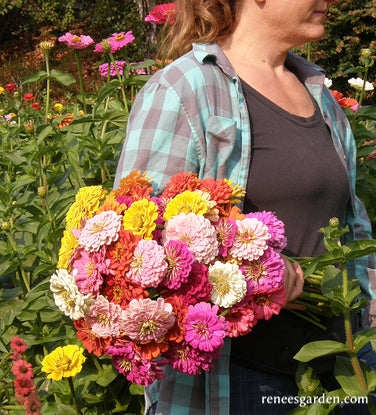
x=294, y=282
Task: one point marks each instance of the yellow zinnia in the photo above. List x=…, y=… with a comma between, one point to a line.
x=237, y=192
x=68, y=244
x=1, y=90
x=140, y=218
x=58, y=107
x=87, y=202
x=63, y=362
x=186, y=202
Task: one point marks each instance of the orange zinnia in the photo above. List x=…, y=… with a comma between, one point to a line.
x=180, y=183
x=128, y=183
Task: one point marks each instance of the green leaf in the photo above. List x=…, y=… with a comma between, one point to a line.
x=47, y=130
x=360, y=248
x=357, y=69
x=361, y=338
x=62, y=77
x=107, y=91
x=320, y=348
x=135, y=389
x=331, y=281
x=108, y=375
x=37, y=77
x=16, y=157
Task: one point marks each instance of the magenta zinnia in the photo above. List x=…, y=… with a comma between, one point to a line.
x=205, y=330
x=269, y=303
x=119, y=40
x=76, y=42
x=162, y=13
x=179, y=260
x=147, y=320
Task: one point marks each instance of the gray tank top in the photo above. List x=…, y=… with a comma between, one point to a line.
x=295, y=172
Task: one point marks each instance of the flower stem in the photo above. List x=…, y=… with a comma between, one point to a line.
x=78, y=412
x=122, y=86
x=82, y=91
x=48, y=88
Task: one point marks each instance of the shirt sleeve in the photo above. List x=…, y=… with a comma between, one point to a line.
x=160, y=139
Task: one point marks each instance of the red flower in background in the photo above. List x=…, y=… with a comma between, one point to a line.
x=10, y=87
x=36, y=106
x=162, y=14
x=28, y=97
x=345, y=102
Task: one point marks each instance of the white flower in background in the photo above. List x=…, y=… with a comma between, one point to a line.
x=357, y=83
x=67, y=297
x=229, y=285
x=328, y=82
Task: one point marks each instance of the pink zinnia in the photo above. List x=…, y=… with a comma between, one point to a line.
x=105, y=318
x=226, y=230
x=197, y=288
x=179, y=260
x=149, y=266
x=18, y=345
x=276, y=229
x=265, y=273
x=76, y=42
x=269, y=303
x=90, y=268
x=119, y=40
x=241, y=320
x=185, y=359
x=103, y=69
x=21, y=367
x=132, y=365
x=100, y=230
x=197, y=232
x=147, y=320
x=250, y=240
x=204, y=329
x=162, y=13
x=32, y=404
x=23, y=384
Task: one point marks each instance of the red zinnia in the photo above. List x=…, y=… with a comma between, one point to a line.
x=21, y=367
x=219, y=190
x=32, y=404
x=28, y=97
x=343, y=101
x=10, y=87
x=92, y=342
x=23, y=384
x=162, y=13
x=36, y=106
x=18, y=345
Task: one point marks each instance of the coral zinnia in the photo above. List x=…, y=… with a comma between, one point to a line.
x=269, y=303
x=241, y=320
x=129, y=182
x=179, y=183
x=162, y=13
x=140, y=218
x=63, y=362
x=18, y=345
x=229, y=286
x=23, y=384
x=204, y=329
x=250, y=239
x=21, y=367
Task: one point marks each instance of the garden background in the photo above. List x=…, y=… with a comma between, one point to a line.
x=62, y=124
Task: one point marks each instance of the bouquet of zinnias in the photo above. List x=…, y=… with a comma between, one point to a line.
x=167, y=277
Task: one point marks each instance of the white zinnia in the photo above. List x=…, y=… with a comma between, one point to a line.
x=357, y=83
x=328, y=82
x=67, y=297
x=229, y=285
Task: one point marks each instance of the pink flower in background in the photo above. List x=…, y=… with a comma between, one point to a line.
x=265, y=273
x=250, y=239
x=148, y=267
x=76, y=42
x=269, y=303
x=139, y=71
x=21, y=367
x=147, y=320
x=104, y=318
x=18, y=345
x=275, y=226
x=197, y=232
x=119, y=40
x=204, y=330
x=101, y=229
x=162, y=13
x=103, y=69
x=179, y=260
x=132, y=365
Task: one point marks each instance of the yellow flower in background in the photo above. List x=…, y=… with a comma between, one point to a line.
x=2, y=90
x=186, y=202
x=140, y=218
x=87, y=202
x=63, y=362
x=58, y=107
x=237, y=191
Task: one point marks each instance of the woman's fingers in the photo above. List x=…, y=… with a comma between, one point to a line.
x=294, y=282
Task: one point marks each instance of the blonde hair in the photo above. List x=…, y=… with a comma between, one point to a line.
x=198, y=21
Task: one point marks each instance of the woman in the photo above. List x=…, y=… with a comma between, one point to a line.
x=239, y=105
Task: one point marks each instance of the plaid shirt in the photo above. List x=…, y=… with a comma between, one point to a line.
x=192, y=116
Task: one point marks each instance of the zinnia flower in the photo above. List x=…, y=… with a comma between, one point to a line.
x=345, y=102
x=148, y=267
x=147, y=320
x=204, y=329
x=229, y=286
x=185, y=202
x=197, y=232
x=18, y=345
x=36, y=106
x=104, y=318
x=119, y=40
x=23, y=384
x=100, y=230
x=66, y=295
x=357, y=83
x=103, y=69
x=76, y=42
x=162, y=13
x=140, y=218
x=10, y=87
x=269, y=303
x=63, y=362
x=21, y=367
x=58, y=107
x=250, y=239
x=328, y=82
x=241, y=320
x=179, y=183
x=28, y=97
x=32, y=404
x=2, y=90
x=226, y=230
x=179, y=259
